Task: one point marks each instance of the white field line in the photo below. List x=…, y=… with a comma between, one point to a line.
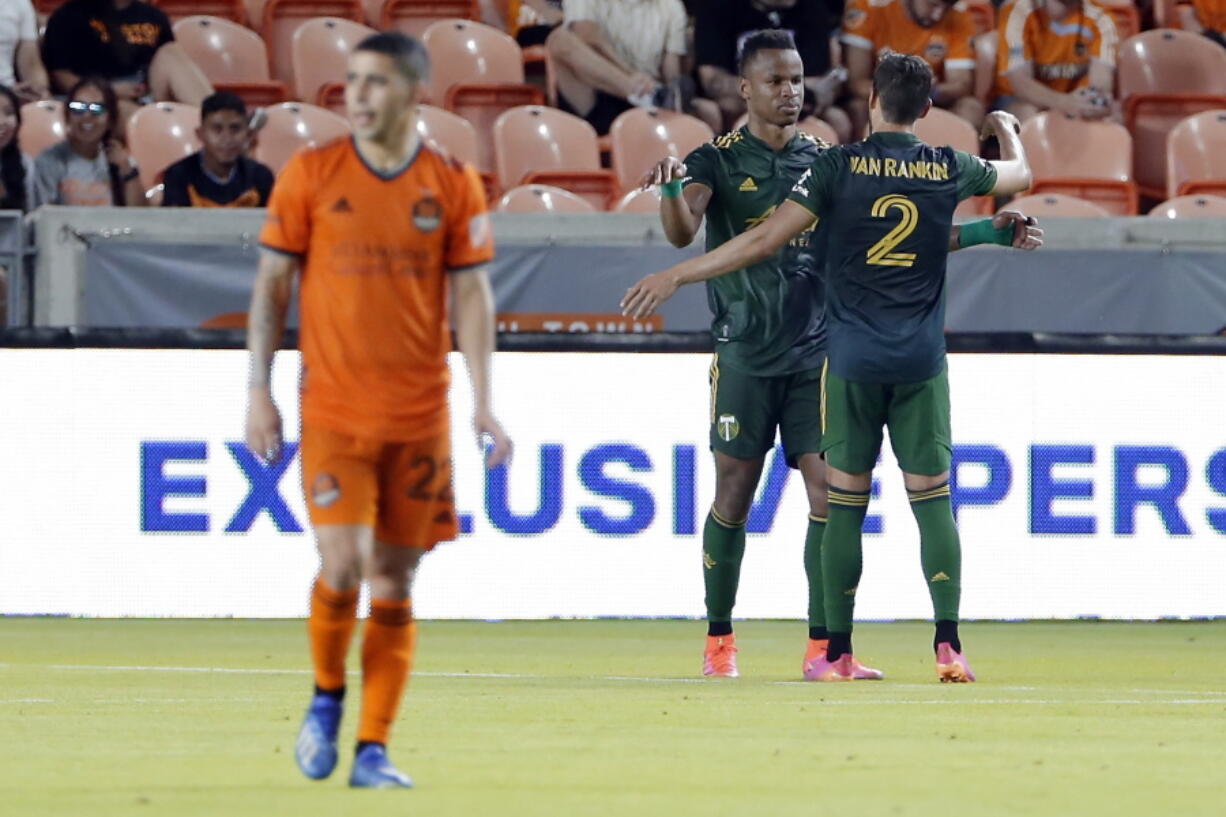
x=1008, y=702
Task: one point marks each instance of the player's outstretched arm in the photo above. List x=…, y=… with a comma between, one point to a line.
x=1008, y=228
x=681, y=210
x=265, y=324
x=750, y=247
x=1013, y=169
x=473, y=311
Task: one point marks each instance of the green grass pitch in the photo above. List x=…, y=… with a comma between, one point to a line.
x=608, y=718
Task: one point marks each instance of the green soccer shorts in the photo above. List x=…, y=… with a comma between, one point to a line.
x=746, y=410
x=917, y=414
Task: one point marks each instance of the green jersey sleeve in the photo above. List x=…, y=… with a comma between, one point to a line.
x=815, y=189
x=976, y=177
x=702, y=166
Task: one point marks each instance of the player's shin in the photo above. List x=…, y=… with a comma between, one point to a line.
x=842, y=563
x=941, y=557
x=387, y=655
x=330, y=628
x=723, y=547
x=813, y=571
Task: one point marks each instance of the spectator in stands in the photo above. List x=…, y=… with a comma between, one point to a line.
x=933, y=29
x=1057, y=55
x=19, y=49
x=92, y=167
x=611, y=55
x=532, y=21
x=720, y=30
x=1206, y=16
x=16, y=169
x=128, y=43
x=219, y=175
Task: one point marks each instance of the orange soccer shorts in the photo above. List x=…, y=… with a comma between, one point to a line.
x=401, y=489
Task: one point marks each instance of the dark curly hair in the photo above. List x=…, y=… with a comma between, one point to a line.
x=12, y=165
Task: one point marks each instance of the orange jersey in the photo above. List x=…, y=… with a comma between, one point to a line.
x=1211, y=13
x=886, y=25
x=376, y=250
x=1058, y=53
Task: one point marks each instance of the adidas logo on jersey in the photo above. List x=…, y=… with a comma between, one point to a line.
x=342, y=206
x=748, y=186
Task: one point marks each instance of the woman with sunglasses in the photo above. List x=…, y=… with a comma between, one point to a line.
x=91, y=167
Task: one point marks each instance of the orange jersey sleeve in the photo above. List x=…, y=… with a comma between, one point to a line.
x=960, y=54
x=861, y=24
x=1211, y=13
x=287, y=227
x=470, y=238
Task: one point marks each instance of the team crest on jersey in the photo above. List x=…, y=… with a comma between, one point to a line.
x=325, y=490
x=936, y=50
x=728, y=427
x=853, y=18
x=427, y=214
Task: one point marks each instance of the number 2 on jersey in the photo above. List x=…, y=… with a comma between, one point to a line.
x=882, y=253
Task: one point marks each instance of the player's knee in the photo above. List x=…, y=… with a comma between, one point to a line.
x=734, y=495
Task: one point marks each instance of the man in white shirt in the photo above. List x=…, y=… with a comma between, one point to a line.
x=19, y=48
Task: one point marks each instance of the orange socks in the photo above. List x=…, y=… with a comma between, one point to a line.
x=333, y=616
x=387, y=653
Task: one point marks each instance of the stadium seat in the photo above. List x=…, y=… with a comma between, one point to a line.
x=281, y=20
x=1165, y=76
x=177, y=10
x=455, y=136
x=640, y=201
x=817, y=127
x=640, y=137
x=982, y=14
x=321, y=50
x=939, y=128
x=1056, y=205
x=478, y=73
x=533, y=144
x=294, y=125
x=1196, y=155
x=42, y=125
x=1191, y=207
x=415, y=16
x=985, y=66
x=541, y=198
x=160, y=135
x=1090, y=160
x=233, y=57
x=226, y=320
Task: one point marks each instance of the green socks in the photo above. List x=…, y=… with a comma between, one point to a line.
x=813, y=569
x=940, y=549
x=723, y=546
x=842, y=557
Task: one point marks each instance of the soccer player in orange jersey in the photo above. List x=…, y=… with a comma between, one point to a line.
x=382, y=229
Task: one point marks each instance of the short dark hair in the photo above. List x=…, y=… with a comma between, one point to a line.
x=903, y=84
x=223, y=101
x=768, y=39
x=407, y=52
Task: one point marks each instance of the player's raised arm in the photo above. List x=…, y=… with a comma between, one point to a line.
x=270, y=299
x=1013, y=169
x=787, y=222
x=473, y=313
x=681, y=208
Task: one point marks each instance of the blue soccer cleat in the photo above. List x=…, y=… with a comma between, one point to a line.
x=373, y=770
x=315, y=750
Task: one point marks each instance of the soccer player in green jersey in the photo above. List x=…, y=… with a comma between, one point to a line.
x=887, y=209
x=769, y=328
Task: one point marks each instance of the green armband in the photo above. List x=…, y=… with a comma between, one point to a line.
x=982, y=232
x=670, y=190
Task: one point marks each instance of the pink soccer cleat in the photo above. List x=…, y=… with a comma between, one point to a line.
x=952, y=667
x=719, y=659
x=820, y=669
x=817, y=652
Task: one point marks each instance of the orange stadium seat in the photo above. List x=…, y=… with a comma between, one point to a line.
x=477, y=72
x=1091, y=160
x=1165, y=76
x=415, y=16
x=42, y=125
x=816, y=127
x=281, y=20
x=1056, y=205
x=982, y=14
x=295, y=125
x=176, y=10
x=1196, y=155
x=640, y=137
x=939, y=128
x=255, y=12
x=640, y=201
x=160, y=135
x=533, y=144
x=233, y=57
x=541, y=198
x=321, y=59
x=1191, y=207
x=455, y=136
